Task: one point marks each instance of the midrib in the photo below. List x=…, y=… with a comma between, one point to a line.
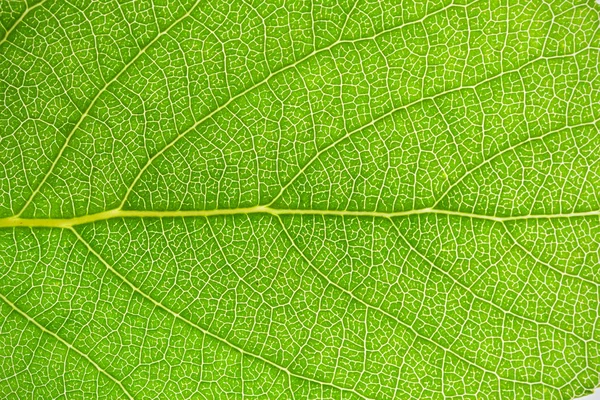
x=119, y=213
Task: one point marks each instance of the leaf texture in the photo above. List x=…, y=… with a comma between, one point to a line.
x=299, y=200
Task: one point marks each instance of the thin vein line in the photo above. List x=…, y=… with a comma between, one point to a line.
x=546, y=264
x=19, y=20
x=479, y=297
x=391, y=112
x=64, y=342
x=507, y=150
x=393, y=317
x=257, y=85
x=93, y=102
x=199, y=328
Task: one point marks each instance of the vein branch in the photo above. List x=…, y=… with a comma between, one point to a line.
x=204, y=331
x=18, y=21
x=65, y=343
x=91, y=104
x=255, y=86
x=394, y=318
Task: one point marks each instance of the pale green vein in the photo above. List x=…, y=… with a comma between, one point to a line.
x=387, y=114
x=201, y=329
x=93, y=102
x=13, y=222
x=251, y=88
x=478, y=297
x=508, y=150
x=65, y=343
x=19, y=20
x=393, y=317
x=546, y=264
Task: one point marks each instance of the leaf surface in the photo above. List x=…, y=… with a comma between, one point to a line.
x=332, y=200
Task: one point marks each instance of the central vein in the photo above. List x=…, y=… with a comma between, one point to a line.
x=119, y=213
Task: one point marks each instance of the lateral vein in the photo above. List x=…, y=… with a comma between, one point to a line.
x=65, y=343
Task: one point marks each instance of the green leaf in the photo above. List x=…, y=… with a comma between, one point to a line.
x=302, y=199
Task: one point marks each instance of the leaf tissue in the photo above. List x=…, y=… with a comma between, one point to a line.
x=300, y=199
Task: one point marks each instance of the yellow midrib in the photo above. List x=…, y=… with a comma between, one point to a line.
x=119, y=213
